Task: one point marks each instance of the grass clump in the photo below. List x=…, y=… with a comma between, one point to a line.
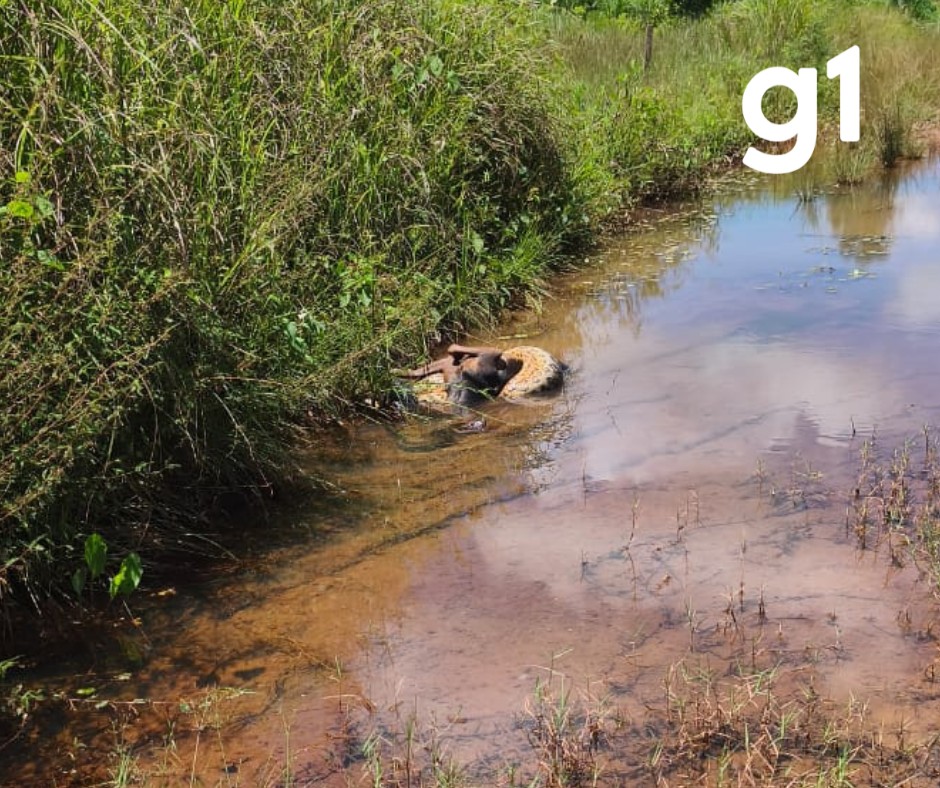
x=566, y=734
x=895, y=503
x=217, y=216
x=772, y=728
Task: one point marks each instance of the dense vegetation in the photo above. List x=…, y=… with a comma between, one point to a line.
x=219, y=215
x=216, y=217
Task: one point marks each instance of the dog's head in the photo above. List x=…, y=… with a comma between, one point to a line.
x=477, y=375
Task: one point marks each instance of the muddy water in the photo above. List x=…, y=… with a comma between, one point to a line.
x=684, y=502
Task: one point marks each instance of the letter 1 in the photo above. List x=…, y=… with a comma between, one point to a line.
x=847, y=67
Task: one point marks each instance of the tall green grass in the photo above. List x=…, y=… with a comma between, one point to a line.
x=658, y=134
x=219, y=215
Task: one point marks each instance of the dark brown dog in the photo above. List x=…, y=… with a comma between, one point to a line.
x=471, y=374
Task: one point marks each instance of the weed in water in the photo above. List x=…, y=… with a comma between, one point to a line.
x=565, y=733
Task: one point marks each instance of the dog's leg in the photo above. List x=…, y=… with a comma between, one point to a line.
x=444, y=365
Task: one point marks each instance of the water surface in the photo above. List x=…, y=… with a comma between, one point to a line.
x=685, y=501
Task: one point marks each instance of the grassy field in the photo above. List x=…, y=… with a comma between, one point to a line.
x=219, y=219
x=657, y=133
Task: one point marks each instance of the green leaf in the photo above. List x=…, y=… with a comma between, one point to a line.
x=20, y=209
x=44, y=206
x=128, y=577
x=49, y=260
x=8, y=664
x=79, y=576
x=96, y=553
x=21, y=177
x=84, y=692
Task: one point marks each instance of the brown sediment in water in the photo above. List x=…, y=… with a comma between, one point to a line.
x=683, y=509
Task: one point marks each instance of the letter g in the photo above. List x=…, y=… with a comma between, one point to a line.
x=802, y=125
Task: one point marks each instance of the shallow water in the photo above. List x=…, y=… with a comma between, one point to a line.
x=684, y=501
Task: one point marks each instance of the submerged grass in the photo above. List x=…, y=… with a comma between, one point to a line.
x=895, y=503
x=744, y=726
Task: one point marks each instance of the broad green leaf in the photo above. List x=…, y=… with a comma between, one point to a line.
x=44, y=206
x=128, y=577
x=96, y=553
x=20, y=209
x=49, y=260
